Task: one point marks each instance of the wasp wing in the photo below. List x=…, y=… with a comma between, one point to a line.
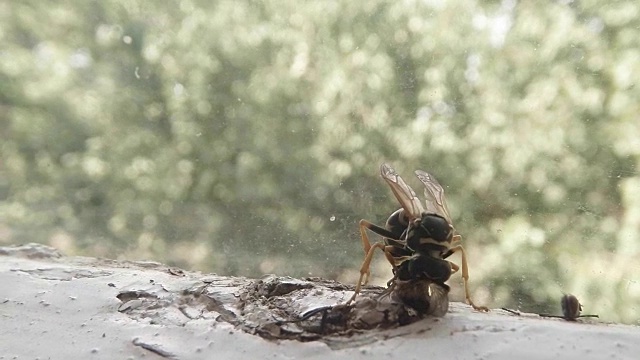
x=403, y=192
x=434, y=193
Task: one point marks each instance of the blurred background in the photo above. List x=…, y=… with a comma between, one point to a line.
x=245, y=137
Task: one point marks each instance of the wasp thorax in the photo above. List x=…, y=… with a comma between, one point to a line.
x=434, y=227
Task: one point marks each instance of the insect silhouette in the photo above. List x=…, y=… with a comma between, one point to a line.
x=417, y=241
x=571, y=309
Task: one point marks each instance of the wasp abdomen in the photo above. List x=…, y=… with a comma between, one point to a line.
x=397, y=223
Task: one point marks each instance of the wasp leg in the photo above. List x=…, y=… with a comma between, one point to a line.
x=454, y=267
x=364, y=269
x=456, y=239
x=366, y=244
x=391, y=284
x=465, y=277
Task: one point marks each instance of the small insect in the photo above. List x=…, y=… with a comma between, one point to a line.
x=417, y=241
x=571, y=309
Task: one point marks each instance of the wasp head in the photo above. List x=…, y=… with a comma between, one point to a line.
x=425, y=267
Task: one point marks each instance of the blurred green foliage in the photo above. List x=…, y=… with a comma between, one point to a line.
x=244, y=137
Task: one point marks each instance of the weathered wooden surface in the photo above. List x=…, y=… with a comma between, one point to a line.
x=71, y=307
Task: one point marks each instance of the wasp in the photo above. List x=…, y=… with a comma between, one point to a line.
x=416, y=242
x=571, y=309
